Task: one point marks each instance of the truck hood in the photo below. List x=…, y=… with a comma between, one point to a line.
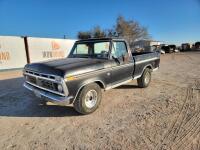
x=67, y=66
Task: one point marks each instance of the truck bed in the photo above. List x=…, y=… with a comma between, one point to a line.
x=145, y=56
x=143, y=59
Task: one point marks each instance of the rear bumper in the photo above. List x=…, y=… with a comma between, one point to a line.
x=48, y=96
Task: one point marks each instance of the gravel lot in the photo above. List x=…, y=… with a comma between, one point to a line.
x=165, y=115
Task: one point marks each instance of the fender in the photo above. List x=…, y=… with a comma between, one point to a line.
x=88, y=82
x=147, y=66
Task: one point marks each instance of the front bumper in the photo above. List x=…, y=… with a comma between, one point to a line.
x=48, y=96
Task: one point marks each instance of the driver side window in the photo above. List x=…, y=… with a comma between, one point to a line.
x=119, y=49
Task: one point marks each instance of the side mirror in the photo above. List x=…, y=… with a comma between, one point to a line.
x=116, y=59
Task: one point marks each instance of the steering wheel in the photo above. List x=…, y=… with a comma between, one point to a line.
x=104, y=53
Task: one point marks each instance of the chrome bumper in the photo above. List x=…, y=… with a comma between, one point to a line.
x=54, y=98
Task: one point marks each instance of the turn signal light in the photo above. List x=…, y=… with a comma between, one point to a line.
x=70, y=78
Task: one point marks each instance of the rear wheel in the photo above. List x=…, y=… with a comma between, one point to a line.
x=88, y=99
x=145, y=79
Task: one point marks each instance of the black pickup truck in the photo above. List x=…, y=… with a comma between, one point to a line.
x=93, y=65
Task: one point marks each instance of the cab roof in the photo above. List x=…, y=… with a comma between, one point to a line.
x=100, y=39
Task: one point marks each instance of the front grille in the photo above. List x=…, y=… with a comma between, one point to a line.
x=48, y=84
x=40, y=74
x=31, y=79
x=42, y=80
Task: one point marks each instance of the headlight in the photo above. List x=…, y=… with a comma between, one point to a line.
x=60, y=88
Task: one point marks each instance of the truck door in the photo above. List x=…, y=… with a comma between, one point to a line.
x=123, y=64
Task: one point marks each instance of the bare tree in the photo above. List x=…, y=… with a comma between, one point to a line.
x=97, y=32
x=111, y=33
x=84, y=35
x=130, y=30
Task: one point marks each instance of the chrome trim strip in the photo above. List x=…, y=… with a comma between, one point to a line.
x=45, y=89
x=123, y=65
x=147, y=60
x=136, y=77
x=60, y=100
x=110, y=68
x=32, y=75
x=155, y=69
x=92, y=72
x=65, y=89
x=35, y=72
x=118, y=84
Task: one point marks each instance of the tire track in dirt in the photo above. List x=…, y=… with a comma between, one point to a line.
x=144, y=137
x=187, y=139
x=192, y=130
x=173, y=128
x=184, y=128
x=188, y=121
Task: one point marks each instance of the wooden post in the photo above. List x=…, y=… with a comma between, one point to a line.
x=27, y=49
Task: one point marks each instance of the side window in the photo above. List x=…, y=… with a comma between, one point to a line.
x=119, y=49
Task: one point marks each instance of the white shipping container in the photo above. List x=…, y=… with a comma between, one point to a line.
x=42, y=49
x=12, y=52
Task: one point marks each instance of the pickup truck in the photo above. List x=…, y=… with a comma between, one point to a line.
x=92, y=66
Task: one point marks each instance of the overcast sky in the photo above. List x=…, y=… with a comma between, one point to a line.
x=172, y=21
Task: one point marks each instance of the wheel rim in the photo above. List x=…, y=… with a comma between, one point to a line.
x=147, y=78
x=91, y=98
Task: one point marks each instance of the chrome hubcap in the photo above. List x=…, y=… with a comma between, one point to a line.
x=91, y=98
x=147, y=78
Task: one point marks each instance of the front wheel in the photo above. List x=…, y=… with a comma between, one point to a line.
x=88, y=99
x=145, y=79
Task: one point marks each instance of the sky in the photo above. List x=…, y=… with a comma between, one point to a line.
x=170, y=21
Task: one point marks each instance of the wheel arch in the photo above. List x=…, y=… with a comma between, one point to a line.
x=149, y=66
x=98, y=82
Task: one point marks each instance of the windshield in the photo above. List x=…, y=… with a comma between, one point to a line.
x=91, y=49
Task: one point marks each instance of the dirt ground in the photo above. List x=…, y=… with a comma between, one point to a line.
x=166, y=115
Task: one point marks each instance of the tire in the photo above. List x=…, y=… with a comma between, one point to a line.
x=88, y=99
x=145, y=79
